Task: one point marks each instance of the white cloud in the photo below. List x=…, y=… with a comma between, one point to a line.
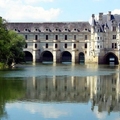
x=47, y=111
x=23, y=10
x=116, y=11
x=99, y=115
x=36, y=1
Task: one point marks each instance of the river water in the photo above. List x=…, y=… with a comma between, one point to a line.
x=64, y=91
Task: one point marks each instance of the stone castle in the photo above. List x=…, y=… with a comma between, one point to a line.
x=76, y=42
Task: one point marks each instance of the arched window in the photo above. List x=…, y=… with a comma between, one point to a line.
x=56, y=37
x=65, y=45
x=26, y=45
x=65, y=37
x=74, y=45
x=56, y=45
x=46, y=45
x=35, y=45
x=46, y=37
x=74, y=37
x=36, y=37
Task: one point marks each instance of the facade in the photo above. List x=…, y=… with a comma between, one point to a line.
x=98, y=42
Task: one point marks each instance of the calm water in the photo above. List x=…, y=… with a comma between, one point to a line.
x=60, y=91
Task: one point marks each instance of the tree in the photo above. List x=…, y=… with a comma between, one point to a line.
x=11, y=45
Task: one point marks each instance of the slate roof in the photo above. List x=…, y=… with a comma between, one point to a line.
x=51, y=26
x=106, y=23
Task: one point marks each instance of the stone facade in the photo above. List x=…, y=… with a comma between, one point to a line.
x=95, y=42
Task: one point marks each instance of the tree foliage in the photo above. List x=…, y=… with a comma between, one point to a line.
x=11, y=45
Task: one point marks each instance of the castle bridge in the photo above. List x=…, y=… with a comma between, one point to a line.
x=95, y=42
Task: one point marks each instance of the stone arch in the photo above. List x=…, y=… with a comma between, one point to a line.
x=66, y=56
x=46, y=56
x=110, y=58
x=81, y=58
x=28, y=56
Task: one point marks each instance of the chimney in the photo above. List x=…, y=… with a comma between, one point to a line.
x=109, y=16
x=100, y=16
x=93, y=16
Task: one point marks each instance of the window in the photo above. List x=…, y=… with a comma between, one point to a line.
x=74, y=46
x=74, y=37
x=85, y=45
x=114, y=28
x=112, y=45
x=98, y=38
x=56, y=37
x=46, y=37
x=26, y=29
x=56, y=45
x=65, y=37
x=47, y=29
x=115, y=45
x=26, y=45
x=35, y=45
x=46, y=45
x=65, y=45
x=114, y=36
x=66, y=29
x=36, y=37
x=86, y=37
x=98, y=46
x=26, y=37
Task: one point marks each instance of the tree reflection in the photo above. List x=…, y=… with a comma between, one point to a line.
x=10, y=90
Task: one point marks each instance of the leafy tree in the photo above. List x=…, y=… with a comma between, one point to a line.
x=11, y=45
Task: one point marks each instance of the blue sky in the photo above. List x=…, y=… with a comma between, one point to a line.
x=55, y=10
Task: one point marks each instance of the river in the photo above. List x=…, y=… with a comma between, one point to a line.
x=64, y=91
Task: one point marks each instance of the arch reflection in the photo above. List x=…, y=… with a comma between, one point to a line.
x=102, y=91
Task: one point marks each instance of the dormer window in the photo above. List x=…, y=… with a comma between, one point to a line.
x=26, y=29
x=36, y=29
x=66, y=29
x=75, y=29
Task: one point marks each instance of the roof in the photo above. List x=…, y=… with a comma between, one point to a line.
x=51, y=26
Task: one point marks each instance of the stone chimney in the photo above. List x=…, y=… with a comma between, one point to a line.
x=100, y=16
x=93, y=16
x=109, y=16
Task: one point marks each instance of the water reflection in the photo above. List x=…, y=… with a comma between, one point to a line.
x=100, y=91
x=103, y=91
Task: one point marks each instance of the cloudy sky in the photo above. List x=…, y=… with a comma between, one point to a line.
x=55, y=10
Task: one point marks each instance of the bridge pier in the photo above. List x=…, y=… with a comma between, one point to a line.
x=73, y=57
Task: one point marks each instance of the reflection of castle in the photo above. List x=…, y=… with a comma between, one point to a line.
x=104, y=91
x=97, y=42
x=61, y=88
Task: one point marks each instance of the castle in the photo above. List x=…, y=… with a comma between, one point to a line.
x=76, y=42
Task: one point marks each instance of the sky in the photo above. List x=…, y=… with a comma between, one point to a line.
x=55, y=10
